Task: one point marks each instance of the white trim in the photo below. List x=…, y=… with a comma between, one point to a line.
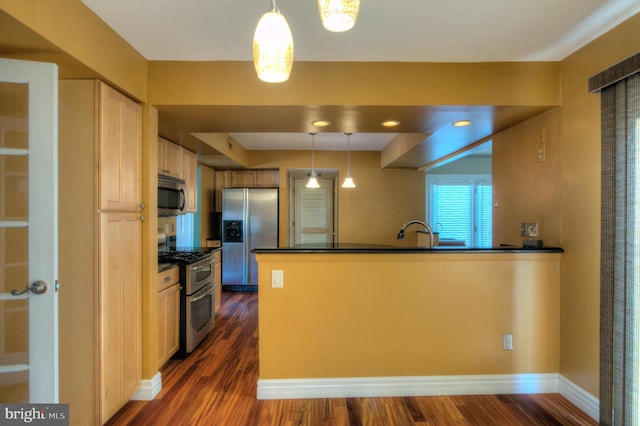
x=407, y=386
x=149, y=389
x=581, y=398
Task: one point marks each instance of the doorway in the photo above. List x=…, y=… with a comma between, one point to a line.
x=312, y=211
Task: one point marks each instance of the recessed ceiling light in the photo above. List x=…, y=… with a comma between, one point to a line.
x=462, y=123
x=390, y=123
x=320, y=123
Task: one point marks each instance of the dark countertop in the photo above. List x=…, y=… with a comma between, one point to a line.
x=388, y=249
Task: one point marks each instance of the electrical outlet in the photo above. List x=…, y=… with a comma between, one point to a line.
x=529, y=230
x=277, y=278
x=507, y=342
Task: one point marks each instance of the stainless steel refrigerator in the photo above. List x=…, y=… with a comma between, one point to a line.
x=249, y=220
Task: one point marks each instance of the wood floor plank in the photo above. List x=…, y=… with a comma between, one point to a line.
x=217, y=384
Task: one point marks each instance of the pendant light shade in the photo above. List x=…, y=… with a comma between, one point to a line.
x=348, y=181
x=338, y=15
x=273, y=47
x=313, y=182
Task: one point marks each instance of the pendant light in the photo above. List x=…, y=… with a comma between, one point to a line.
x=273, y=47
x=313, y=182
x=348, y=181
x=338, y=15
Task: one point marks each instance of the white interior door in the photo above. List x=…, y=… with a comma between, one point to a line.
x=28, y=232
x=313, y=210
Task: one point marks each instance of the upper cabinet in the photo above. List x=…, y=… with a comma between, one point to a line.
x=119, y=150
x=178, y=162
x=190, y=176
x=169, y=158
x=243, y=179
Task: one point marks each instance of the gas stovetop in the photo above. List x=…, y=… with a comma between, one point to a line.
x=183, y=256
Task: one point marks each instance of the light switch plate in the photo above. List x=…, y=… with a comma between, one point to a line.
x=277, y=278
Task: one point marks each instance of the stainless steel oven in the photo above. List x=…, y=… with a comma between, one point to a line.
x=197, y=296
x=199, y=303
x=200, y=315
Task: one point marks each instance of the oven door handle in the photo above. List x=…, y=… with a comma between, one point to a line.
x=206, y=293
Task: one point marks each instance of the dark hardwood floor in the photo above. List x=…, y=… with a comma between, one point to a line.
x=216, y=385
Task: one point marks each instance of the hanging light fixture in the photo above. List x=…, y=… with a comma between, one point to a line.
x=348, y=181
x=273, y=47
x=313, y=182
x=338, y=15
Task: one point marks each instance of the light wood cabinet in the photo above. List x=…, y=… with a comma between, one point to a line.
x=243, y=179
x=267, y=178
x=222, y=180
x=255, y=178
x=119, y=310
x=100, y=244
x=190, y=176
x=168, y=314
x=119, y=151
x=169, y=158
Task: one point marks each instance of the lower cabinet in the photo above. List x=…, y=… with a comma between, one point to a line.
x=119, y=310
x=168, y=315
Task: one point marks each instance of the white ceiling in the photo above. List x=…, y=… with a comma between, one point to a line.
x=386, y=31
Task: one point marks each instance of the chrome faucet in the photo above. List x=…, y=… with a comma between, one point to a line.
x=419, y=222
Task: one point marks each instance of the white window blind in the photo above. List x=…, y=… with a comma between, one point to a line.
x=460, y=208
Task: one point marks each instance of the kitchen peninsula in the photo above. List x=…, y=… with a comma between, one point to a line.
x=371, y=320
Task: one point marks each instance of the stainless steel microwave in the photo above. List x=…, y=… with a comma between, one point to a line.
x=171, y=196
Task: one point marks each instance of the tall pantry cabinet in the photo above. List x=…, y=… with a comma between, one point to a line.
x=100, y=135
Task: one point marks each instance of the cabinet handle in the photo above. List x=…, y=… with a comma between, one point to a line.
x=167, y=279
x=142, y=206
x=141, y=218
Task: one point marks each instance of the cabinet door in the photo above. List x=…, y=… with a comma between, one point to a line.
x=119, y=151
x=173, y=162
x=267, y=178
x=190, y=175
x=222, y=180
x=168, y=323
x=162, y=156
x=243, y=179
x=119, y=310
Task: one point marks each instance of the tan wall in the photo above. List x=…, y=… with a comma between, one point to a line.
x=580, y=182
x=76, y=30
x=374, y=211
x=351, y=83
x=525, y=189
x=77, y=232
x=369, y=315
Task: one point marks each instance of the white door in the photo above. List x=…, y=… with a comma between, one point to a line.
x=28, y=232
x=313, y=210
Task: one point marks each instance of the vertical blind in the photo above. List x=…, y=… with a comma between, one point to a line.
x=619, y=88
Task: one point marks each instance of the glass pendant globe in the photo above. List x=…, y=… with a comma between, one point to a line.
x=338, y=15
x=273, y=48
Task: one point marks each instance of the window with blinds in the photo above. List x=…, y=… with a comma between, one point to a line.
x=460, y=207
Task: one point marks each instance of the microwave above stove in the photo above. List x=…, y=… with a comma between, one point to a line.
x=171, y=196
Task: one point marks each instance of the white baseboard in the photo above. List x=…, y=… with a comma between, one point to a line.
x=407, y=386
x=149, y=389
x=581, y=398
